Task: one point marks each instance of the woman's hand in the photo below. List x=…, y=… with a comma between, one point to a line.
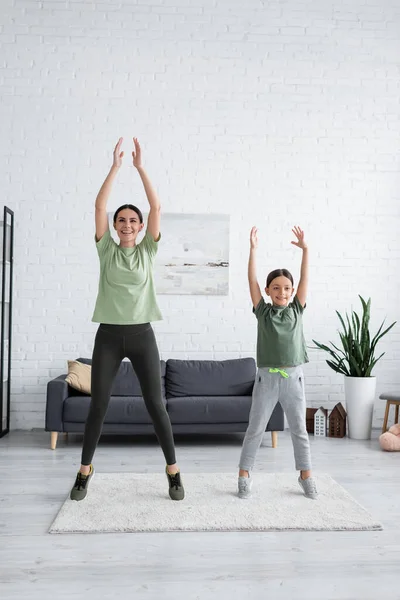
x=117, y=156
x=299, y=233
x=137, y=154
x=253, y=238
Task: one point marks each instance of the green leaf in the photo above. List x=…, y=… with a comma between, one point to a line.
x=355, y=367
x=378, y=337
x=336, y=348
x=341, y=320
x=357, y=319
x=365, y=320
x=327, y=349
x=337, y=367
x=345, y=344
x=371, y=366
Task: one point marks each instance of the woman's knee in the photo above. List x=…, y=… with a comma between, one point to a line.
x=157, y=409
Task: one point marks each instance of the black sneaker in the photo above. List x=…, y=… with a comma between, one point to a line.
x=81, y=484
x=176, y=491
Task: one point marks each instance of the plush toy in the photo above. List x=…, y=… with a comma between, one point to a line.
x=390, y=440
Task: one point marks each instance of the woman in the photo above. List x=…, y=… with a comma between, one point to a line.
x=125, y=305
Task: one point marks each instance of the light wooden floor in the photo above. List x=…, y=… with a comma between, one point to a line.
x=275, y=566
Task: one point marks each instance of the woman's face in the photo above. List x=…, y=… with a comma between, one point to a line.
x=128, y=226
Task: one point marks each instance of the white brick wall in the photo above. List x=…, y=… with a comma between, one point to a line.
x=275, y=112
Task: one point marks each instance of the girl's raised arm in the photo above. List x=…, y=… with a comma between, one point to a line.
x=255, y=291
x=303, y=283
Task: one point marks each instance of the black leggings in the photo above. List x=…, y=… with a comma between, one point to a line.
x=112, y=344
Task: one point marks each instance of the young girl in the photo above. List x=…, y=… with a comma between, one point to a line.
x=281, y=351
x=126, y=303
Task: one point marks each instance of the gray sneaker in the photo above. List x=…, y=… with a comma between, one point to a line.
x=244, y=487
x=81, y=485
x=308, y=486
x=176, y=491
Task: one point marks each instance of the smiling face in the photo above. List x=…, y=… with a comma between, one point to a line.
x=127, y=226
x=280, y=290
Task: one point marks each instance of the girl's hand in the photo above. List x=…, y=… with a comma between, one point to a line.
x=299, y=233
x=137, y=154
x=253, y=238
x=117, y=156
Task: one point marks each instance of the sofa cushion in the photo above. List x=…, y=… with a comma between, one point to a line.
x=233, y=377
x=126, y=382
x=209, y=409
x=121, y=409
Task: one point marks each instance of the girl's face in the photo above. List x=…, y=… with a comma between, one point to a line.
x=280, y=290
x=128, y=226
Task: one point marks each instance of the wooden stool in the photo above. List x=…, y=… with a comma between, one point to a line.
x=390, y=399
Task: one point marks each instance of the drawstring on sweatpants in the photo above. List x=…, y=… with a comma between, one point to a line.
x=281, y=371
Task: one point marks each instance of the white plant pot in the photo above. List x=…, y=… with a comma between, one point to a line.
x=360, y=398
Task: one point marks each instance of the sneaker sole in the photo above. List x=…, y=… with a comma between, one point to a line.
x=177, y=499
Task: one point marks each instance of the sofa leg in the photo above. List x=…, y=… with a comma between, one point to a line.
x=53, y=439
x=274, y=436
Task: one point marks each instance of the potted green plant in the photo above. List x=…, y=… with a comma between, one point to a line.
x=356, y=360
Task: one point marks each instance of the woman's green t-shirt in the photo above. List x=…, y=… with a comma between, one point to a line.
x=126, y=294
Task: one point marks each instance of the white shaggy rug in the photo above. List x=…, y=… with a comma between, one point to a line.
x=139, y=502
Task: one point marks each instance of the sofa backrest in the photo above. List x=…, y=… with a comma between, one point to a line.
x=234, y=377
x=126, y=382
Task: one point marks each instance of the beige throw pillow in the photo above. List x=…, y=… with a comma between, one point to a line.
x=79, y=376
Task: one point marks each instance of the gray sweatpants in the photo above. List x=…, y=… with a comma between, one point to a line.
x=269, y=388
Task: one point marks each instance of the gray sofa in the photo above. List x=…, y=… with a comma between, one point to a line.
x=201, y=396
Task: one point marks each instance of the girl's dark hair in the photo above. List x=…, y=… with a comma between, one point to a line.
x=279, y=273
x=135, y=208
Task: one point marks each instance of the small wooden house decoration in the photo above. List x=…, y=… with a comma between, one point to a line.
x=310, y=412
x=320, y=422
x=337, y=421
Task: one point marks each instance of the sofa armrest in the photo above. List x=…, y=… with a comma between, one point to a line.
x=57, y=392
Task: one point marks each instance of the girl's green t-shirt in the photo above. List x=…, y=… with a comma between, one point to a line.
x=280, y=338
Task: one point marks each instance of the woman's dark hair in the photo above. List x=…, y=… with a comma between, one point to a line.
x=278, y=273
x=135, y=208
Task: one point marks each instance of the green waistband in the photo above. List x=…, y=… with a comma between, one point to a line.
x=281, y=371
